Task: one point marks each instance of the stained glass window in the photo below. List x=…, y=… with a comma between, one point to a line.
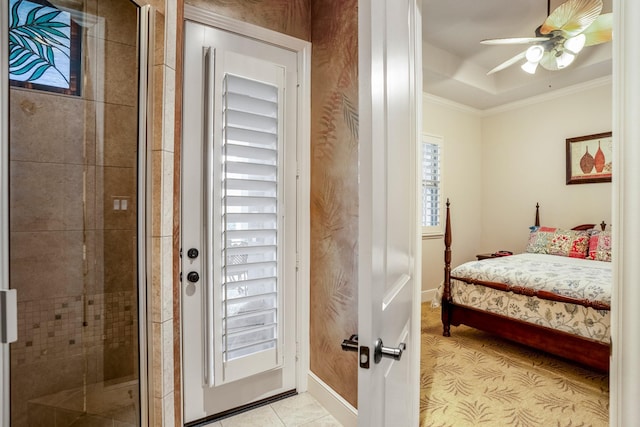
x=44, y=47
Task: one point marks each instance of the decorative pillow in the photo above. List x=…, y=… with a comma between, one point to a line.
x=556, y=241
x=600, y=245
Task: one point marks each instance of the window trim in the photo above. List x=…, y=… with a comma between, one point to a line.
x=436, y=230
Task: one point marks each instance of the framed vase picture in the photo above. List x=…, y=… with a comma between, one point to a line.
x=589, y=158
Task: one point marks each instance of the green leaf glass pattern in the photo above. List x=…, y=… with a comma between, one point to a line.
x=39, y=44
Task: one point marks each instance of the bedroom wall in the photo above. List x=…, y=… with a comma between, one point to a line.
x=461, y=130
x=523, y=158
x=499, y=163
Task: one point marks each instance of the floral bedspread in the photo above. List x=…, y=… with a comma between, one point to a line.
x=571, y=277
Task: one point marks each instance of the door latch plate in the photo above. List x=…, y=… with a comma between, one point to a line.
x=364, y=357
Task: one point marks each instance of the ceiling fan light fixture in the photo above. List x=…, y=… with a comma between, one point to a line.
x=534, y=53
x=575, y=44
x=530, y=67
x=565, y=60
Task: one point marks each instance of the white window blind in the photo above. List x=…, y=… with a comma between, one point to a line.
x=249, y=288
x=431, y=185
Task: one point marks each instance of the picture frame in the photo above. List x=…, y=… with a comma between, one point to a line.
x=589, y=158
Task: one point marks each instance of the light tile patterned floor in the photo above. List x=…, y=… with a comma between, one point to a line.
x=297, y=411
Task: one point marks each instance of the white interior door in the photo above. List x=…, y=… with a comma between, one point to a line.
x=238, y=221
x=389, y=253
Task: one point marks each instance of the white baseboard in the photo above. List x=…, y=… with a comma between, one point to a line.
x=335, y=404
x=427, y=296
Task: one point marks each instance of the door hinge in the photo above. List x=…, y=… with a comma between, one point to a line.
x=8, y=316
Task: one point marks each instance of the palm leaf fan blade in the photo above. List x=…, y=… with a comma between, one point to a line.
x=600, y=31
x=572, y=17
x=515, y=40
x=508, y=63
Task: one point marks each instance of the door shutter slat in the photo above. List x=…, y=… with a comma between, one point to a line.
x=246, y=120
x=249, y=220
x=251, y=88
x=251, y=154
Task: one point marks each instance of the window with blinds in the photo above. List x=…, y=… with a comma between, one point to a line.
x=431, y=185
x=250, y=226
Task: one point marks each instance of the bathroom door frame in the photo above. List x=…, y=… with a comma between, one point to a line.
x=303, y=137
x=145, y=100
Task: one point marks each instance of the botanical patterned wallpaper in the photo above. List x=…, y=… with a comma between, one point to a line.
x=334, y=192
x=332, y=27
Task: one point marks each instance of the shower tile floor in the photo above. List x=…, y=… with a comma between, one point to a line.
x=301, y=410
x=96, y=405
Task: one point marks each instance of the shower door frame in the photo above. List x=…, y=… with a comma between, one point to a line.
x=146, y=25
x=4, y=204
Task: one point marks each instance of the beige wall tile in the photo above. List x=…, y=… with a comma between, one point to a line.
x=120, y=260
x=119, y=184
x=156, y=280
x=162, y=278
x=162, y=193
x=159, y=39
x=168, y=413
x=156, y=366
x=120, y=136
x=120, y=74
x=51, y=196
x=167, y=193
x=170, y=31
x=156, y=193
x=121, y=19
x=167, y=280
x=79, y=197
x=167, y=360
x=38, y=202
x=31, y=254
x=56, y=138
x=168, y=110
x=48, y=263
x=158, y=106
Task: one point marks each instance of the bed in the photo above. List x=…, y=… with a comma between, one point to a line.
x=551, y=298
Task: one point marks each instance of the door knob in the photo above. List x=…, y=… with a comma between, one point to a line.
x=381, y=351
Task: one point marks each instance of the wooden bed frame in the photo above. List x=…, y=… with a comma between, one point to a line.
x=584, y=351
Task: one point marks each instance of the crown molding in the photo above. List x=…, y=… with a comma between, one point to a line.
x=539, y=99
x=443, y=102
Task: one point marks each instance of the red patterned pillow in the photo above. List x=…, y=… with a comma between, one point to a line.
x=600, y=245
x=556, y=241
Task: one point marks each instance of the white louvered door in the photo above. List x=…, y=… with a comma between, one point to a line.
x=239, y=213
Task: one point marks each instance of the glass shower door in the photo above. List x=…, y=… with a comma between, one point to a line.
x=73, y=228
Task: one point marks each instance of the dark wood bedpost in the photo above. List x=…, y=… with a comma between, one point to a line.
x=446, y=294
x=537, y=224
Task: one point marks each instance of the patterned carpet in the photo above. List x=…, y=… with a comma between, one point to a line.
x=475, y=379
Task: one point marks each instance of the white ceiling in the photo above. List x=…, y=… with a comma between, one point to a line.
x=455, y=63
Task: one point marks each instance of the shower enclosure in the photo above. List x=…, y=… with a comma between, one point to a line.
x=74, y=179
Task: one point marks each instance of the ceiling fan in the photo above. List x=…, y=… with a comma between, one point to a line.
x=569, y=28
